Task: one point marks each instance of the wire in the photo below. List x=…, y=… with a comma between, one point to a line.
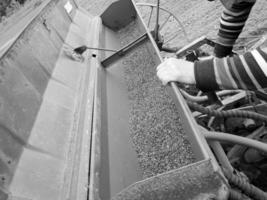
x=228, y=113
x=213, y=135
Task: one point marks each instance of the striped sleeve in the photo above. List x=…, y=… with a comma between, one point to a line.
x=232, y=21
x=248, y=72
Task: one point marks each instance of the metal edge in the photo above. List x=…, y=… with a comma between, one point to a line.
x=95, y=147
x=179, y=182
x=31, y=23
x=81, y=170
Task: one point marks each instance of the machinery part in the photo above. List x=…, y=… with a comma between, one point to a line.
x=237, y=151
x=157, y=23
x=114, y=74
x=80, y=50
x=194, y=45
x=253, y=156
x=261, y=95
x=212, y=135
x=219, y=152
x=124, y=50
x=228, y=113
x=76, y=54
x=124, y=12
x=72, y=54
x=246, y=187
x=168, y=37
x=187, y=50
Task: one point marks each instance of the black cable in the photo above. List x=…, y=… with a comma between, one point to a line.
x=228, y=113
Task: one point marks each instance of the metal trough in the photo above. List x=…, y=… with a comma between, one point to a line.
x=83, y=130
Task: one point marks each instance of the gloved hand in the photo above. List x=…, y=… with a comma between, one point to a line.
x=173, y=69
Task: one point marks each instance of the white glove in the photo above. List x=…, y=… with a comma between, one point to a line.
x=173, y=69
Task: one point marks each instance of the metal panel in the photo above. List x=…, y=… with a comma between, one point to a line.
x=118, y=15
x=43, y=96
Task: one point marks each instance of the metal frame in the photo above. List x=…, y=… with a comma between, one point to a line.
x=170, y=14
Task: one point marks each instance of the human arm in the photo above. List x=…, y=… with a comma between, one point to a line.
x=232, y=21
x=248, y=71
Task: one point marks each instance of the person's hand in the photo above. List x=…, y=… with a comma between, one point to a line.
x=173, y=69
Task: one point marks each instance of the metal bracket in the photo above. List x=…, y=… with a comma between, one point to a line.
x=194, y=45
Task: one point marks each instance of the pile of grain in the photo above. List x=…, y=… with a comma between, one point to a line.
x=155, y=125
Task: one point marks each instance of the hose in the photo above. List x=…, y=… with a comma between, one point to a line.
x=213, y=135
x=236, y=195
x=205, y=98
x=219, y=152
x=228, y=113
x=246, y=187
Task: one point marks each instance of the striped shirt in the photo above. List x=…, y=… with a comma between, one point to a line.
x=232, y=21
x=248, y=71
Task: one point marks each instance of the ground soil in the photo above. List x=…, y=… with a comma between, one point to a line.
x=199, y=17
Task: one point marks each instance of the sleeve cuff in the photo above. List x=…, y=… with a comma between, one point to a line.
x=205, y=76
x=221, y=51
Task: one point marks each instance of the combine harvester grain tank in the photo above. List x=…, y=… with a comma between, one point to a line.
x=66, y=125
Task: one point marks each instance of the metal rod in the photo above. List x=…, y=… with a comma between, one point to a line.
x=163, y=24
x=123, y=50
x=157, y=22
x=165, y=10
x=76, y=4
x=152, y=8
x=101, y=49
x=172, y=37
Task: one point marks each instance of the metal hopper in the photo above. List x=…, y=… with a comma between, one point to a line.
x=97, y=128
